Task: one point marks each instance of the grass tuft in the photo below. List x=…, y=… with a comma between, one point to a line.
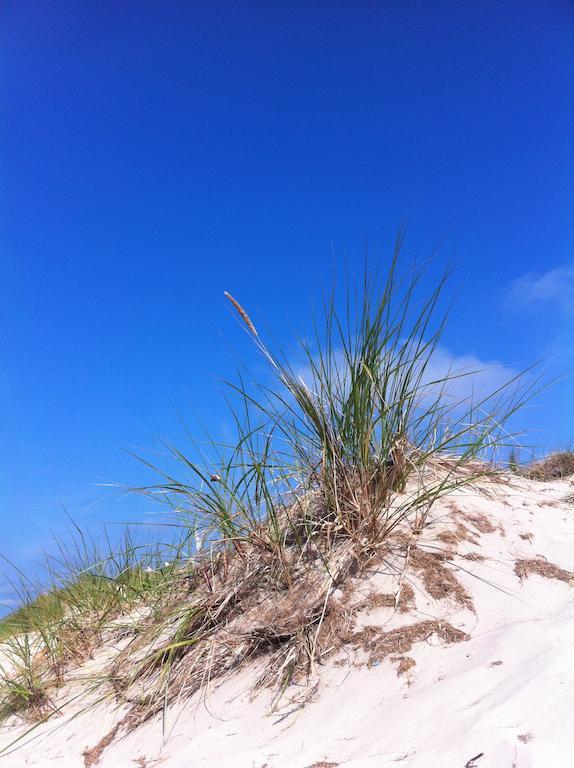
x=553, y=467
x=340, y=455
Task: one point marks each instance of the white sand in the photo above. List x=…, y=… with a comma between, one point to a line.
x=508, y=692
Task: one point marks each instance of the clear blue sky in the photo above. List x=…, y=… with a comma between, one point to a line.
x=153, y=155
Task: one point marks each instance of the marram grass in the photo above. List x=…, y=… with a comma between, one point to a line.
x=355, y=439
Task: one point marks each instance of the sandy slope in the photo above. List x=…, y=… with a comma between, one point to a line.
x=506, y=692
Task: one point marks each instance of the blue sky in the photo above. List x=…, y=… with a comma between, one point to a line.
x=153, y=155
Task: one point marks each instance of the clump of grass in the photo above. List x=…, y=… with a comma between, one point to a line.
x=91, y=586
x=330, y=460
x=553, y=467
x=23, y=687
x=513, y=463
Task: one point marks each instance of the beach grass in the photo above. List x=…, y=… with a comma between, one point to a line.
x=333, y=452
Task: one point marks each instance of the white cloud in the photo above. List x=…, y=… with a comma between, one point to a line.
x=469, y=377
x=556, y=286
x=8, y=603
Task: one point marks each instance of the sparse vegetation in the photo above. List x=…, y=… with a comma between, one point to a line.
x=332, y=460
x=553, y=467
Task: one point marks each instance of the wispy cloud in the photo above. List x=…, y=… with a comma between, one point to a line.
x=533, y=290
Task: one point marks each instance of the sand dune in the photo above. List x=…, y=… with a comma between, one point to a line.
x=463, y=659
